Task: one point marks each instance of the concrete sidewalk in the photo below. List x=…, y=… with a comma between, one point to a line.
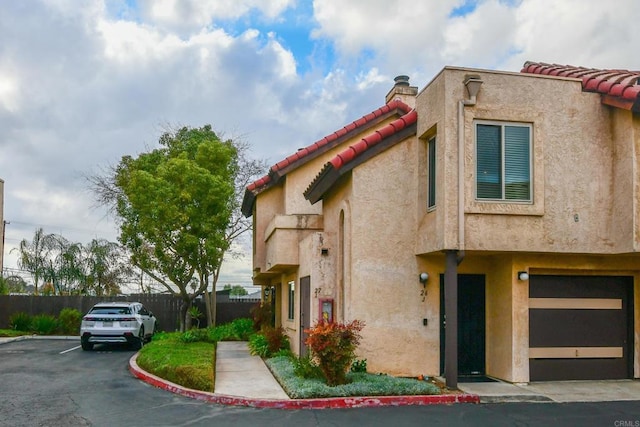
x=238, y=373
x=555, y=391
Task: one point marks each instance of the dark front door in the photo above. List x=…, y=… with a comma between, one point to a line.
x=305, y=311
x=471, y=324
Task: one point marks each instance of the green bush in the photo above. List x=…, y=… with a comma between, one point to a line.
x=44, y=324
x=194, y=335
x=359, y=365
x=20, y=321
x=304, y=367
x=242, y=329
x=268, y=342
x=69, y=321
x=259, y=346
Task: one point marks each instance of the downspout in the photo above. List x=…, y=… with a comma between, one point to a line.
x=472, y=82
x=453, y=257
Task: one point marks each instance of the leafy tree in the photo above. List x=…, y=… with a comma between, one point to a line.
x=174, y=205
x=4, y=287
x=236, y=290
x=63, y=268
x=247, y=171
x=69, y=267
x=105, y=267
x=33, y=256
x=15, y=284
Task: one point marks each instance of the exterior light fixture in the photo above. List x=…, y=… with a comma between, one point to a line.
x=423, y=277
x=266, y=291
x=523, y=275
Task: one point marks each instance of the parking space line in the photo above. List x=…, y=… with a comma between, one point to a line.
x=71, y=349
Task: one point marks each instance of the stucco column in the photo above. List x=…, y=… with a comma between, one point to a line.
x=451, y=313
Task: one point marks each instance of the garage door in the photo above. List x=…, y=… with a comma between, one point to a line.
x=580, y=328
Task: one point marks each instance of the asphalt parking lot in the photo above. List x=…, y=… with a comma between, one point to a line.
x=55, y=383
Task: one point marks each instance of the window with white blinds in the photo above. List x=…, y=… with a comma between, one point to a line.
x=503, y=161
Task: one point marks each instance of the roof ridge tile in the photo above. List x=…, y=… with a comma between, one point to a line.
x=619, y=87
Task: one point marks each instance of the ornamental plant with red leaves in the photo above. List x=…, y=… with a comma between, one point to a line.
x=333, y=346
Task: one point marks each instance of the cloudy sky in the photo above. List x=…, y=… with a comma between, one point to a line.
x=83, y=83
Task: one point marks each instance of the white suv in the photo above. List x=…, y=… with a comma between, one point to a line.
x=117, y=322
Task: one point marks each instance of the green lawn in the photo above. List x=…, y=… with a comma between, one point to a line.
x=189, y=364
x=12, y=333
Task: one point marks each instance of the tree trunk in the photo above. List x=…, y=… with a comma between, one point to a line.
x=185, y=320
x=213, y=307
x=207, y=308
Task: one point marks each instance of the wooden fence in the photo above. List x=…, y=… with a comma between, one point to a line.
x=165, y=307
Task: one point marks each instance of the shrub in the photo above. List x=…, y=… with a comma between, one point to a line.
x=262, y=316
x=242, y=329
x=333, y=345
x=20, y=322
x=304, y=367
x=276, y=339
x=44, y=324
x=268, y=342
x=69, y=321
x=258, y=345
x=195, y=314
x=359, y=366
x=194, y=335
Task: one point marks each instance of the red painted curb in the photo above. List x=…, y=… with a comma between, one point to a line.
x=319, y=403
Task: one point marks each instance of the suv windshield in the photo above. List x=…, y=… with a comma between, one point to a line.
x=110, y=310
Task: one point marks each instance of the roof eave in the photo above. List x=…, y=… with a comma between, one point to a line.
x=329, y=175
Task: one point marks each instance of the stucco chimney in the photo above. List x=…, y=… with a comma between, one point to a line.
x=403, y=91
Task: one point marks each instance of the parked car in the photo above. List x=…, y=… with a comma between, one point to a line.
x=117, y=322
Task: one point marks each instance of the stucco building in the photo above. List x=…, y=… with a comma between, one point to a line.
x=486, y=224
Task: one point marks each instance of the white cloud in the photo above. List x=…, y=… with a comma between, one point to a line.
x=599, y=34
x=195, y=14
x=9, y=88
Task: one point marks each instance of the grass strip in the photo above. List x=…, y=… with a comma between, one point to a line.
x=190, y=365
x=12, y=333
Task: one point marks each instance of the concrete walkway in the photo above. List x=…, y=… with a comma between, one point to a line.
x=238, y=373
x=555, y=391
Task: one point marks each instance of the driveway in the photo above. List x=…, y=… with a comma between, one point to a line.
x=54, y=383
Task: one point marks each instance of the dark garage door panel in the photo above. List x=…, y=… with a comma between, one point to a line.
x=566, y=327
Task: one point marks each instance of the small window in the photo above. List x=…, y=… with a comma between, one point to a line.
x=431, y=174
x=292, y=294
x=503, y=162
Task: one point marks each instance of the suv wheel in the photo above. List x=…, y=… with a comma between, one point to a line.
x=86, y=346
x=140, y=340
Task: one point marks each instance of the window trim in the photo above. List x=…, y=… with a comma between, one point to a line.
x=503, y=124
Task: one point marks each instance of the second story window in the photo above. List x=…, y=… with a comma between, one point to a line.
x=503, y=161
x=431, y=153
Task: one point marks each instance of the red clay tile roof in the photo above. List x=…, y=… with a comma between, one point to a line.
x=619, y=88
x=361, y=151
x=302, y=156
